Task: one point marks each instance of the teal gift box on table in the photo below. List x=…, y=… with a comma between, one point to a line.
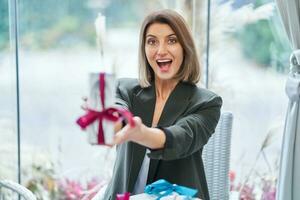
x=163, y=190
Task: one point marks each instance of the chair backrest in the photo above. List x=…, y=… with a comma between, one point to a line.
x=216, y=158
x=17, y=190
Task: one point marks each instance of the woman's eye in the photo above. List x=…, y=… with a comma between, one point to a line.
x=172, y=40
x=151, y=42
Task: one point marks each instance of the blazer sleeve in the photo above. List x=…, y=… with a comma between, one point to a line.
x=191, y=132
x=122, y=96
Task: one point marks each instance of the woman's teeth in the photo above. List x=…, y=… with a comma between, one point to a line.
x=162, y=63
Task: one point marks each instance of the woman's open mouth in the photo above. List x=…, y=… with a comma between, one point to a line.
x=164, y=64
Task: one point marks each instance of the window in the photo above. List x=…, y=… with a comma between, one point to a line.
x=248, y=59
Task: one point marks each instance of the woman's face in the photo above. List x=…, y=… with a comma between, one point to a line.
x=163, y=51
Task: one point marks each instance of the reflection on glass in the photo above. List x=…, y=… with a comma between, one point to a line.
x=8, y=136
x=249, y=65
x=56, y=53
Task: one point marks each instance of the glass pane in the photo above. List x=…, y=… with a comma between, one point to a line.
x=56, y=54
x=8, y=130
x=248, y=68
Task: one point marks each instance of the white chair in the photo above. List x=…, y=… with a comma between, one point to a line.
x=216, y=158
x=16, y=190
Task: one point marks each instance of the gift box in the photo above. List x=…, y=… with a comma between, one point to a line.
x=101, y=114
x=163, y=190
x=173, y=196
x=99, y=102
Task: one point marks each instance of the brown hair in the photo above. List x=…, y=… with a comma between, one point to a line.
x=190, y=68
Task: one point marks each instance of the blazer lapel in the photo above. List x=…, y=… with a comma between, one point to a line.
x=144, y=105
x=176, y=104
x=174, y=108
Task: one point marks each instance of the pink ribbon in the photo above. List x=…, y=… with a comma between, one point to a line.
x=110, y=114
x=124, y=196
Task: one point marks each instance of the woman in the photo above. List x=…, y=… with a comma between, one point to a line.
x=174, y=119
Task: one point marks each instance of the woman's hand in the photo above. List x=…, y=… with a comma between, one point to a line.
x=153, y=138
x=84, y=106
x=128, y=133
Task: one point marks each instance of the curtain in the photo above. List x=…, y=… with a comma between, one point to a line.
x=288, y=186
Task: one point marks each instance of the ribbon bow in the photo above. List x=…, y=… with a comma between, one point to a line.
x=111, y=114
x=124, y=196
x=163, y=188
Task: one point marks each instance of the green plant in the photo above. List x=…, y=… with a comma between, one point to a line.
x=4, y=29
x=262, y=42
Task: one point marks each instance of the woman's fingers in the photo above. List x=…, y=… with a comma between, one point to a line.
x=129, y=133
x=84, y=106
x=122, y=135
x=84, y=98
x=137, y=120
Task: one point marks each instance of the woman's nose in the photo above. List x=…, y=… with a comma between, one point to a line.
x=162, y=49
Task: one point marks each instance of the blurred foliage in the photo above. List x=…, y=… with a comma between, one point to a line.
x=256, y=39
x=263, y=43
x=53, y=23
x=4, y=28
x=124, y=12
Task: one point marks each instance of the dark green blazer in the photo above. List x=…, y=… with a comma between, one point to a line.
x=190, y=116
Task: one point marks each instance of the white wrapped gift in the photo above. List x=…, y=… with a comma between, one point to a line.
x=101, y=115
x=95, y=103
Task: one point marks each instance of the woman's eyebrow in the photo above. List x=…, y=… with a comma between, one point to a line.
x=173, y=34
x=150, y=35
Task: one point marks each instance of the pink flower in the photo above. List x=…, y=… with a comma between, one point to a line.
x=93, y=183
x=90, y=187
x=270, y=195
x=231, y=176
x=71, y=189
x=269, y=191
x=247, y=193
